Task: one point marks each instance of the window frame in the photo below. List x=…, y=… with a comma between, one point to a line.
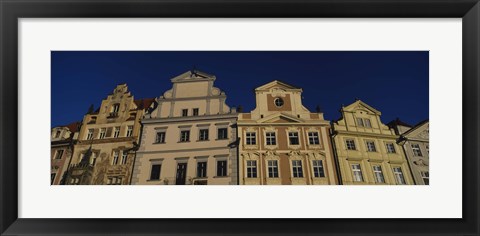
x=129, y=132
x=271, y=168
x=218, y=133
x=290, y=138
x=251, y=170
x=274, y=138
x=310, y=138
x=419, y=154
x=159, y=171
x=380, y=172
x=295, y=169
x=225, y=167
x=204, y=169
x=248, y=140
x=187, y=138
x=367, y=142
x=353, y=142
x=401, y=180
x=160, y=136
x=318, y=169
x=393, y=151
x=355, y=170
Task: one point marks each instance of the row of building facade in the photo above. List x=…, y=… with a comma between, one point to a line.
x=190, y=136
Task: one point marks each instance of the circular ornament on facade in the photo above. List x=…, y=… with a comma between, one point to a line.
x=278, y=102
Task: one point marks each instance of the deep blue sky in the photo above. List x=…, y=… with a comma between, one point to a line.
x=396, y=83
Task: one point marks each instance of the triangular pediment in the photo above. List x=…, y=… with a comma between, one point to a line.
x=276, y=85
x=360, y=105
x=420, y=131
x=192, y=75
x=280, y=118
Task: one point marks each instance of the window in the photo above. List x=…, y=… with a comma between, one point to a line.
x=390, y=148
x=318, y=170
x=293, y=138
x=371, y=146
x=272, y=169
x=115, y=158
x=184, y=112
x=116, y=132
x=129, y=131
x=360, y=122
x=357, y=173
x=185, y=136
x=397, y=171
x=251, y=138
x=297, y=169
x=251, y=169
x=313, y=138
x=195, y=111
x=52, y=177
x=426, y=147
x=115, y=108
x=160, y=137
x=59, y=154
x=368, y=123
x=202, y=169
x=57, y=134
x=377, y=172
x=350, y=144
x=278, y=102
x=425, y=177
x=124, y=157
x=222, y=168
x=416, y=150
x=155, y=173
x=102, y=133
x=90, y=134
x=222, y=133
x=203, y=135
x=271, y=140
x=114, y=181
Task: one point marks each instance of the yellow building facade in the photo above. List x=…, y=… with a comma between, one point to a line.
x=282, y=142
x=366, y=150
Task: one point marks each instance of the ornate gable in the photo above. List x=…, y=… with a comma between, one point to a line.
x=360, y=105
x=418, y=132
x=277, y=87
x=280, y=118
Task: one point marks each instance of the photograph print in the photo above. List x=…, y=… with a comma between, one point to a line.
x=239, y=118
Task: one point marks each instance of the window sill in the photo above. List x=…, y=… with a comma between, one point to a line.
x=159, y=143
x=183, y=141
x=206, y=140
x=153, y=180
x=221, y=176
x=218, y=139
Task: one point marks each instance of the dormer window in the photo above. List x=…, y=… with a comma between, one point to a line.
x=57, y=134
x=278, y=102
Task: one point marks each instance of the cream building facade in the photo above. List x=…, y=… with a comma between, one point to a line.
x=366, y=150
x=107, y=140
x=282, y=142
x=190, y=138
x=415, y=143
x=63, y=139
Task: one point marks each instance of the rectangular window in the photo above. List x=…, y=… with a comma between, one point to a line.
x=124, y=158
x=397, y=171
x=368, y=123
x=115, y=158
x=272, y=169
x=184, y=112
x=390, y=148
x=360, y=122
x=416, y=150
x=371, y=146
x=102, y=133
x=155, y=173
x=221, y=168
x=195, y=111
x=297, y=169
x=185, y=136
x=115, y=108
x=377, y=172
x=318, y=170
x=251, y=138
x=116, y=132
x=293, y=138
x=251, y=169
x=160, y=137
x=202, y=169
x=357, y=173
x=222, y=133
x=57, y=134
x=350, y=144
x=203, y=135
x=90, y=134
x=271, y=140
x=59, y=154
x=129, y=131
x=114, y=181
x=425, y=177
x=313, y=138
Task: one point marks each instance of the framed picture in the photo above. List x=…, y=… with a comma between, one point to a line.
x=170, y=80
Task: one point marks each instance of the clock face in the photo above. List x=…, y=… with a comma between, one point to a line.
x=278, y=102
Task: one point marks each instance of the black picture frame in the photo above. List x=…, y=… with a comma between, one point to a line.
x=12, y=10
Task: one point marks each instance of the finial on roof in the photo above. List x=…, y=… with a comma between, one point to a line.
x=193, y=71
x=356, y=99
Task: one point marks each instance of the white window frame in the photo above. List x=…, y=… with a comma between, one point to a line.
x=186, y=138
x=103, y=132
x=417, y=151
x=115, y=157
x=367, y=122
x=355, y=171
x=372, y=148
x=318, y=165
x=160, y=136
x=399, y=176
x=272, y=167
x=124, y=158
x=425, y=175
x=250, y=138
x=311, y=137
x=348, y=146
x=56, y=154
x=360, y=122
x=378, y=174
x=393, y=150
x=116, y=132
x=90, y=134
x=251, y=165
x=129, y=131
x=203, y=137
x=296, y=167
